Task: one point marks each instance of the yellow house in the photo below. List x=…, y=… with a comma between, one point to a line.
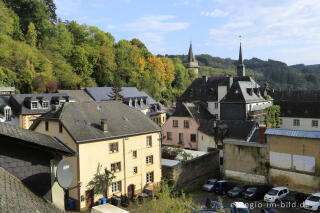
x=112, y=134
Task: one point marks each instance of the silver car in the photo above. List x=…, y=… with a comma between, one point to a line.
x=209, y=185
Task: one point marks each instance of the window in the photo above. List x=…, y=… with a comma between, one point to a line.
x=116, y=167
x=169, y=136
x=149, y=141
x=7, y=113
x=149, y=159
x=193, y=137
x=116, y=186
x=296, y=122
x=113, y=147
x=314, y=123
x=281, y=121
x=216, y=105
x=150, y=177
x=45, y=105
x=180, y=138
x=60, y=127
x=134, y=154
x=135, y=170
x=47, y=125
x=34, y=105
x=186, y=124
x=175, y=124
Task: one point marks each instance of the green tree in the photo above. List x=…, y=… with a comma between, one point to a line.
x=272, y=118
x=81, y=65
x=31, y=36
x=101, y=181
x=116, y=91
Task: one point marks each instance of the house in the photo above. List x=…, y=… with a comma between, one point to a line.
x=230, y=97
x=6, y=114
x=111, y=134
x=189, y=124
x=134, y=98
x=32, y=158
x=6, y=90
x=192, y=62
x=299, y=110
x=28, y=107
x=294, y=158
x=16, y=197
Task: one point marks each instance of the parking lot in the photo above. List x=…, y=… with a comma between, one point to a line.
x=200, y=197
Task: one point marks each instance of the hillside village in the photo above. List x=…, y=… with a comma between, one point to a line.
x=226, y=127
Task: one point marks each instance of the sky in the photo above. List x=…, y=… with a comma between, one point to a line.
x=285, y=30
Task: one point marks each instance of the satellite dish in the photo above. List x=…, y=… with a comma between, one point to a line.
x=64, y=173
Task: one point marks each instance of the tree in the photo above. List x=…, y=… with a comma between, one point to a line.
x=31, y=36
x=101, y=181
x=272, y=118
x=116, y=89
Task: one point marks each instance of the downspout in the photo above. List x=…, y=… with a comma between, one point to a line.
x=124, y=167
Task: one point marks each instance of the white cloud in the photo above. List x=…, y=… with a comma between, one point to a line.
x=181, y=3
x=153, y=30
x=215, y=13
x=279, y=24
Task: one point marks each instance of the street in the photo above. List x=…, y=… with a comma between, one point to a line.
x=254, y=206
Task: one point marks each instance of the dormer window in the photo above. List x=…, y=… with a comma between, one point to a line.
x=130, y=103
x=141, y=102
x=7, y=113
x=45, y=104
x=34, y=105
x=136, y=103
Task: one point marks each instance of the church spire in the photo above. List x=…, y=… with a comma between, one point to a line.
x=241, y=70
x=190, y=54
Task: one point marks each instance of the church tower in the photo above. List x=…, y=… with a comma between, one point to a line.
x=241, y=70
x=192, y=62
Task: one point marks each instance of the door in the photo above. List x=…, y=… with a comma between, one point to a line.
x=131, y=191
x=89, y=198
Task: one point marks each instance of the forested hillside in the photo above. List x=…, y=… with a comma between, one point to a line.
x=278, y=74
x=40, y=53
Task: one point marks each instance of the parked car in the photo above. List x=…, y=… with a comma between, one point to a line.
x=209, y=185
x=312, y=203
x=236, y=191
x=239, y=207
x=222, y=186
x=214, y=205
x=255, y=192
x=294, y=199
x=276, y=194
x=268, y=210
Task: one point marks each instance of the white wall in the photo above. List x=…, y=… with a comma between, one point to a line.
x=222, y=91
x=205, y=141
x=305, y=123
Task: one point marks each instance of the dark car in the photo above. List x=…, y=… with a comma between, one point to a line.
x=214, y=205
x=222, y=187
x=255, y=192
x=294, y=199
x=268, y=210
x=236, y=191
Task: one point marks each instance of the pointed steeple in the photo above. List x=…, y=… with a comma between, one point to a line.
x=190, y=54
x=241, y=70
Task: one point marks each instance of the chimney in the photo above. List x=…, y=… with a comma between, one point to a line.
x=104, y=125
x=204, y=78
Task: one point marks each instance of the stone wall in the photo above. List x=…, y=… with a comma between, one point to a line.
x=246, y=162
x=194, y=173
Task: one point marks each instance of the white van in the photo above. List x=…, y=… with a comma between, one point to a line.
x=276, y=194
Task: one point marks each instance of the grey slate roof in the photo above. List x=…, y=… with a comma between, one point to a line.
x=18, y=105
x=237, y=129
x=293, y=133
x=32, y=138
x=77, y=95
x=244, y=92
x=15, y=197
x=83, y=120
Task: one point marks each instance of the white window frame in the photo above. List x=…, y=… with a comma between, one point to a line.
x=149, y=159
x=34, y=106
x=296, y=122
x=313, y=122
x=149, y=141
x=150, y=177
x=116, y=187
x=45, y=104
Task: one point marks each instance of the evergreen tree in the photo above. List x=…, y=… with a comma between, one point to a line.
x=116, y=89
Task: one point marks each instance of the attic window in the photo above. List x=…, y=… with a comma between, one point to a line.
x=45, y=104
x=34, y=105
x=7, y=113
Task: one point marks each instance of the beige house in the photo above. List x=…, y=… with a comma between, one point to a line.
x=294, y=158
x=112, y=134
